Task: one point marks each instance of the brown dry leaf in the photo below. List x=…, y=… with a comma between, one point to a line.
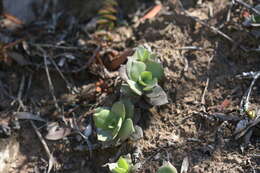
x=225, y=104
x=10, y=22
x=13, y=18
x=19, y=58
x=88, y=92
x=55, y=132
x=114, y=63
x=152, y=13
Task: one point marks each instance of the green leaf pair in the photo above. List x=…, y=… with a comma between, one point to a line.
x=115, y=123
x=123, y=165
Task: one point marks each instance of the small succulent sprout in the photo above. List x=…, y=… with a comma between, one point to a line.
x=142, y=54
x=142, y=73
x=147, y=81
x=167, y=168
x=115, y=123
x=123, y=165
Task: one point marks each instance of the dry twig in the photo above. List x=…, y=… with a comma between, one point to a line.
x=90, y=147
x=57, y=46
x=52, y=160
x=19, y=95
x=49, y=78
x=90, y=61
x=68, y=84
x=248, y=6
x=189, y=48
x=204, y=92
x=205, y=24
x=244, y=104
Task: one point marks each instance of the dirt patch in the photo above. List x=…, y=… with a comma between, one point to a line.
x=200, y=76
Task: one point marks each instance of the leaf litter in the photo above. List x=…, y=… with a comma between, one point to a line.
x=66, y=60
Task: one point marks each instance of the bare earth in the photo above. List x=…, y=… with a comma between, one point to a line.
x=200, y=80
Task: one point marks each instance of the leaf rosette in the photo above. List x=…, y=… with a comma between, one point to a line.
x=142, y=73
x=123, y=165
x=115, y=123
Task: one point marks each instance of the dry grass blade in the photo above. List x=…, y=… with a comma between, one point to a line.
x=51, y=87
x=244, y=105
x=52, y=160
x=28, y=116
x=185, y=165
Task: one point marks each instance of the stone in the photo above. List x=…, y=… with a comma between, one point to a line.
x=9, y=148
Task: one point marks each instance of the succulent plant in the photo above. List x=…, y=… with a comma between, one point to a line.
x=142, y=73
x=167, y=168
x=115, y=123
x=123, y=165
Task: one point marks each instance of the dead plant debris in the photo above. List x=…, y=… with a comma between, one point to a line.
x=61, y=60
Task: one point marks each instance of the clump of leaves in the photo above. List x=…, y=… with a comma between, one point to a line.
x=167, y=168
x=142, y=73
x=115, y=123
x=108, y=15
x=123, y=165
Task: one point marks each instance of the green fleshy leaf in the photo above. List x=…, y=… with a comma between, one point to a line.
x=167, y=168
x=117, y=128
x=118, y=109
x=100, y=117
x=127, y=91
x=145, y=78
x=255, y=18
x=122, y=163
x=142, y=54
x=136, y=69
x=104, y=135
x=109, y=122
x=112, y=166
x=126, y=130
x=112, y=121
x=156, y=69
x=129, y=108
x=151, y=85
x=134, y=87
x=123, y=73
x=156, y=96
x=156, y=92
x=128, y=68
x=119, y=170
